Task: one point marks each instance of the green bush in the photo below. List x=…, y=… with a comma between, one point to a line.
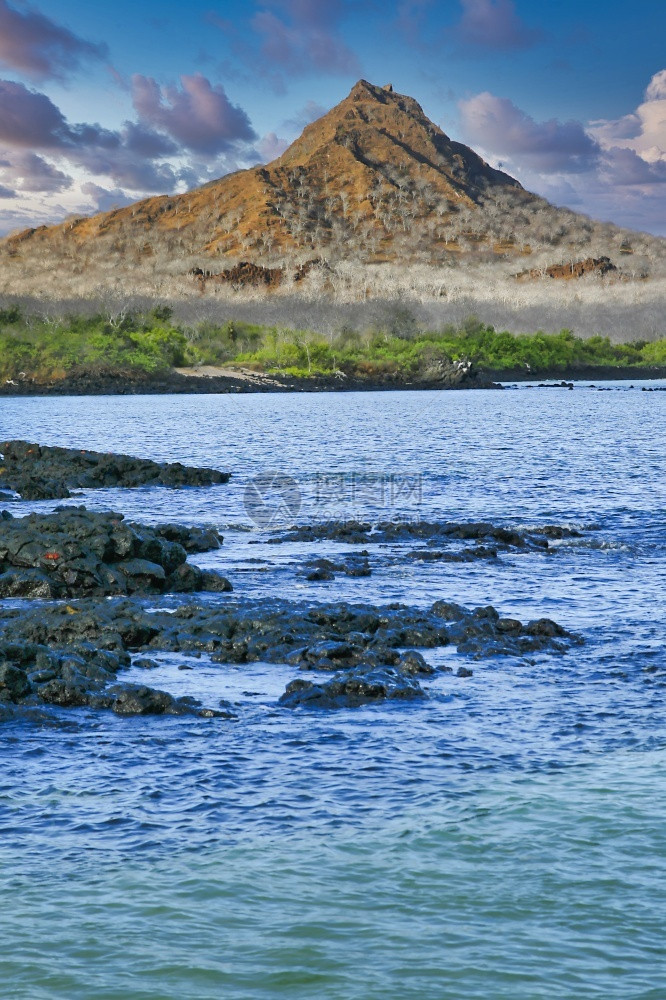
x=151, y=343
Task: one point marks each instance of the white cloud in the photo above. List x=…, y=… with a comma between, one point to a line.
x=644, y=130
x=496, y=124
x=611, y=169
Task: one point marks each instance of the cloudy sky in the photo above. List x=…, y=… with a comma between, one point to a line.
x=103, y=103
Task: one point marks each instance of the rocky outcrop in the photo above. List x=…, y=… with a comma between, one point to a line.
x=349, y=690
x=81, y=675
x=38, y=472
x=491, y=539
x=567, y=272
x=70, y=654
x=76, y=552
x=245, y=274
x=356, y=564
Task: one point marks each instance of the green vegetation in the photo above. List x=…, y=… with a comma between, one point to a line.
x=147, y=344
x=43, y=349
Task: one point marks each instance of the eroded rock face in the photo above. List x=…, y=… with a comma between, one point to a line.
x=76, y=552
x=38, y=472
x=248, y=275
x=568, y=272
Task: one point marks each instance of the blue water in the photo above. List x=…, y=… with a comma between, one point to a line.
x=504, y=840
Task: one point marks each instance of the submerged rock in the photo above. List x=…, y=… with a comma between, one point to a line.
x=490, y=538
x=353, y=688
x=351, y=532
x=38, y=472
x=355, y=565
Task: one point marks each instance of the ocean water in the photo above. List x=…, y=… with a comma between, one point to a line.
x=503, y=840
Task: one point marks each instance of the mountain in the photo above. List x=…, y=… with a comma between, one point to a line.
x=372, y=181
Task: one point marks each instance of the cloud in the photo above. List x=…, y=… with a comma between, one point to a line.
x=643, y=130
x=624, y=167
x=39, y=48
x=309, y=113
x=126, y=168
x=611, y=169
x=29, y=172
x=498, y=126
x=494, y=24
x=656, y=88
x=299, y=37
x=102, y=199
x=6, y=192
x=271, y=146
x=145, y=155
x=198, y=116
x=147, y=142
x=30, y=119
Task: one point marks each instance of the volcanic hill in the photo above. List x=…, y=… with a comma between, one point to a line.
x=373, y=181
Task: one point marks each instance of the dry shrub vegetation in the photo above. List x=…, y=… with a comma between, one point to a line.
x=354, y=284
x=394, y=213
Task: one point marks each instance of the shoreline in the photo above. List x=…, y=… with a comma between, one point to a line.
x=175, y=382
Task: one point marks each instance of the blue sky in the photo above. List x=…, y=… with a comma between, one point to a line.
x=102, y=103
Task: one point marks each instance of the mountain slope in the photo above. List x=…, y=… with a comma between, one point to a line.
x=373, y=181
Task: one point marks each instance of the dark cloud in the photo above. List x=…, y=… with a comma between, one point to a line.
x=197, y=115
x=29, y=172
x=624, y=167
x=493, y=24
x=608, y=169
x=173, y=122
x=6, y=192
x=124, y=167
x=34, y=45
x=29, y=119
x=497, y=126
x=147, y=142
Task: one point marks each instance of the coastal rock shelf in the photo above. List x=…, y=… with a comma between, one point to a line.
x=70, y=654
x=444, y=541
x=37, y=472
x=76, y=552
x=85, y=575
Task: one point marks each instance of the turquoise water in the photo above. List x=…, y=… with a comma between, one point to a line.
x=504, y=839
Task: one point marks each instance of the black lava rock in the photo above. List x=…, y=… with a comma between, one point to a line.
x=38, y=472
x=77, y=552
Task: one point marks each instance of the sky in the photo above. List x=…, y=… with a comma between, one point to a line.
x=104, y=103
